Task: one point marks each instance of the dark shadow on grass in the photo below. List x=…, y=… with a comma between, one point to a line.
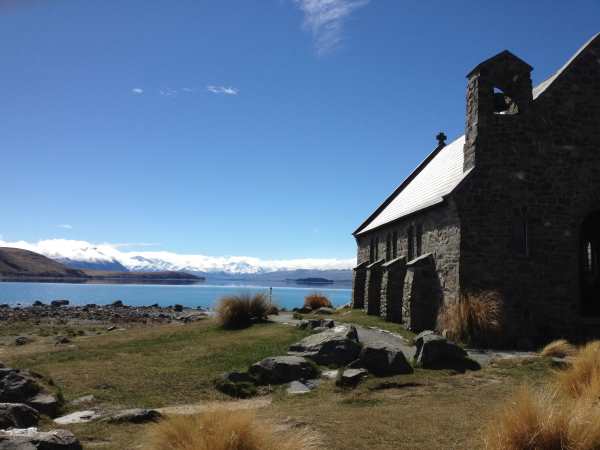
x=460, y=366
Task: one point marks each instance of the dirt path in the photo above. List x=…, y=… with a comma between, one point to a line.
x=196, y=408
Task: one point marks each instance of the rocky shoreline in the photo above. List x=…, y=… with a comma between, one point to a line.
x=116, y=313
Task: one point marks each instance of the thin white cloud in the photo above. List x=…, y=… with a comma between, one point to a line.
x=222, y=90
x=67, y=249
x=325, y=20
x=65, y=226
x=168, y=92
x=137, y=91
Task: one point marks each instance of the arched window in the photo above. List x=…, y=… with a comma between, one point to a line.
x=520, y=236
x=388, y=247
x=419, y=239
x=395, y=245
x=410, y=237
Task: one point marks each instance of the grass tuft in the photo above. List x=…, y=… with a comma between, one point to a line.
x=315, y=301
x=226, y=430
x=582, y=378
x=240, y=311
x=544, y=421
x=476, y=319
x=559, y=349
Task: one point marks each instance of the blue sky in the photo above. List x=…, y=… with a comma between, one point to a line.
x=269, y=128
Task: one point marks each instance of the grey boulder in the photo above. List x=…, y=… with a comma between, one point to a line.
x=17, y=385
x=336, y=346
x=381, y=359
x=136, y=415
x=435, y=351
x=45, y=403
x=351, y=377
x=282, y=369
x=17, y=415
x=31, y=439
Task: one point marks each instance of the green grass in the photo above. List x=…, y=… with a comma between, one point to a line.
x=156, y=366
x=361, y=318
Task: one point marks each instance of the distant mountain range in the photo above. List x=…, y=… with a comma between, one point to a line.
x=83, y=255
x=16, y=263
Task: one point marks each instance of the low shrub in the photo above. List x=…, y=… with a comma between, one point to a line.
x=476, y=319
x=544, y=421
x=582, y=378
x=226, y=430
x=559, y=349
x=316, y=301
x=273, y=310
x=240, y=389
x=239, y=311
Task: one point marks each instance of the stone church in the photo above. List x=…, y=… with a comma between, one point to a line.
x=513, y=206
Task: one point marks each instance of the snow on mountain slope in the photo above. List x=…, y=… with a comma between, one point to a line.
x=83, y=253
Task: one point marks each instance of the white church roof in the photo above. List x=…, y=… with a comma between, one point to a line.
x=428, y=187
x=439, y=173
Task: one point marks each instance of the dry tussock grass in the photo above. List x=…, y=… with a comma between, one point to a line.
x=239, y=311
x=226, y=430
x=582, y=379
x=476, y=319
x=559, y=349
x=565, y=415
x=316, y=301
x=545, y=421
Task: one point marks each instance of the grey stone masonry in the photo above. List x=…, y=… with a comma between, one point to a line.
x=522, y=222
x=373, y=287
x=422, y=294
x=392, y=289
x=359, y=275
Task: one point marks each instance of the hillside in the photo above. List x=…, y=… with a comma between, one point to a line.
x=166, y=275
x=15, y=262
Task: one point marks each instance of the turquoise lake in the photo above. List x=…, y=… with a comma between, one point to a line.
x=191, y=295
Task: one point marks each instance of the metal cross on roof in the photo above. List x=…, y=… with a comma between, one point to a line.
x=441, y=137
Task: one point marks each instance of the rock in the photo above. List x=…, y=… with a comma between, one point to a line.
x=117, y=304
x=136, y=415
x=327, y=323
x=85, y=399
x=381, y=359
x=58, y=340
x=78, y=417
x=325, y=310
x=329, y=374
x=58, y=303
x=297, y=387
x=111, y=328
x=282, y=369
x=17, y=385
x=178, y=308
x=31, y=439
x=45, y=403
x=351, y=377
x=17, y=415
x=38, y=303
x=22, y=340
x=336, y=346
x=303, y=324
x=435, y=351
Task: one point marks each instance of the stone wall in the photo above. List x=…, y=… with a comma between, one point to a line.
x=359, y=278
x=541, y=168
x=440, y=236
x=392, y=289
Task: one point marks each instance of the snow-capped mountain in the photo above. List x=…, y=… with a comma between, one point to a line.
x=85, y=255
